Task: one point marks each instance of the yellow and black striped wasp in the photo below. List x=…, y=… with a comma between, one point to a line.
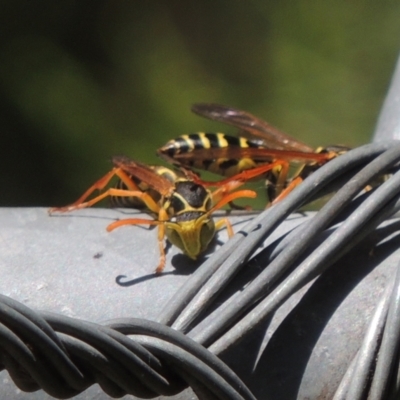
x=259, y=151
x=182, y=208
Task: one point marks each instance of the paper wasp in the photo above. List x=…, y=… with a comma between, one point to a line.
x=182, y=208
x=260, y=148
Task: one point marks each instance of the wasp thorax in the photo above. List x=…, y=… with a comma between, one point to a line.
x=189, y=197
x=193, y=193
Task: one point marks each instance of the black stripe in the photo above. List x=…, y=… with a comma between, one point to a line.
x=181, y=146
x=228, y=163
x=198, y=144
x=232, y=140
x=207, y=163
x=213, y=139
x=189, y=216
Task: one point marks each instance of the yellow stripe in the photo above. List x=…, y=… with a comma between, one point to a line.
x=221, y=140
x=204, y=141
x=188, y=141
x=245, y=163
x=243, y=142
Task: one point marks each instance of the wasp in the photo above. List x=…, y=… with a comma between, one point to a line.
x=260, y=150
x=182, y=208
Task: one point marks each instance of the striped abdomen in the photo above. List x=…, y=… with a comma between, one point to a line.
x=196, y=142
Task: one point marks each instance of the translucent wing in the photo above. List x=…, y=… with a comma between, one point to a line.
x=250, y=126
x=145, y=174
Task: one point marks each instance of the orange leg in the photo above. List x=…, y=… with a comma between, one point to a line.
x=228, y=187
x=283, y=173
x=231, y=183
x=288, y=189
x=246, y=174
x=231, y=197
x=147, y=199
x=163, y=216
x=225, y=221
x=160, y=237
x=131, y=221
x=222, y=191
x=132, y=191
x=99, y=185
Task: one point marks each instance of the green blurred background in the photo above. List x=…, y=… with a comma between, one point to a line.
x=83, y=80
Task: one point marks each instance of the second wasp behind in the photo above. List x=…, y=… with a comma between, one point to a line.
x=260, y=148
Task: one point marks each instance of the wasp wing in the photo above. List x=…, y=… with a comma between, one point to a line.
x=145, y=174
x=259, y=154
x=250, y=125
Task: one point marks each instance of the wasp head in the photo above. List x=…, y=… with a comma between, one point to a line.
x=191, y=227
